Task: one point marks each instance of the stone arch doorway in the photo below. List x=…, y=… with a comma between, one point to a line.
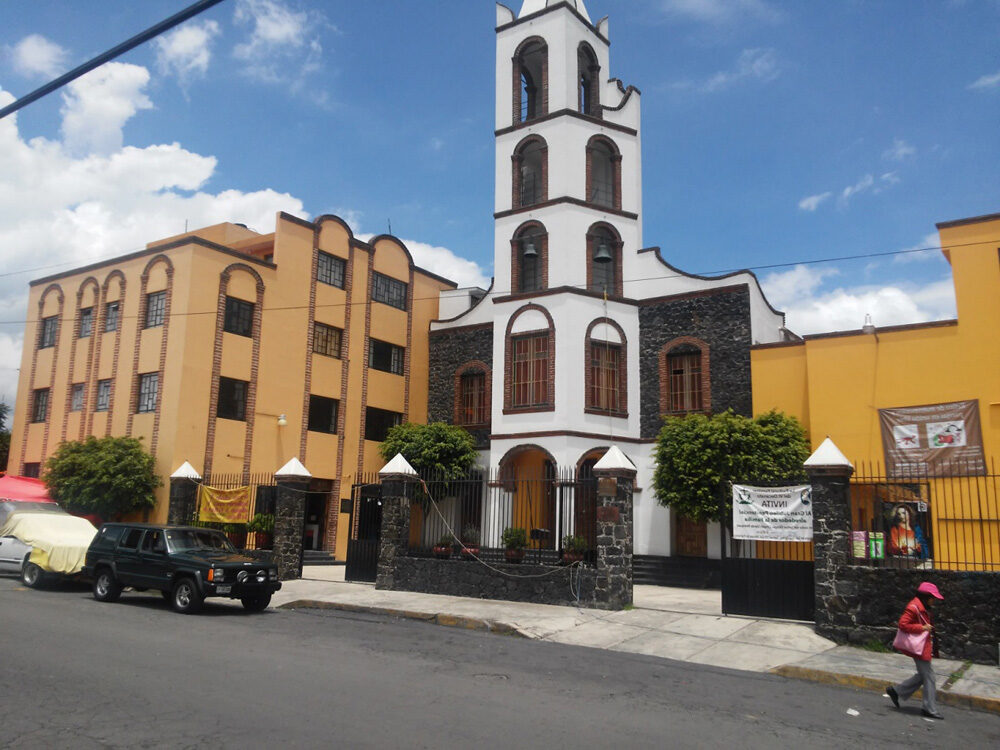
x=529, y=478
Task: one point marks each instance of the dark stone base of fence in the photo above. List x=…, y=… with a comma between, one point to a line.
x=520, y=584
x=264, y=555
x=864, y=604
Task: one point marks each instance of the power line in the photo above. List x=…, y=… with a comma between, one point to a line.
x=111, y=54
x=719, y=275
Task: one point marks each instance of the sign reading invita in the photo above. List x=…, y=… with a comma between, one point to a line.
x=775, y=514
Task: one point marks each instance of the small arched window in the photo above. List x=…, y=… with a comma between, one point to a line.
x=603, y=173
x=472, y=394
x=530, y=176
x=530, y=80
x=684, y=377
x=529, y=368
x=529, y=250
x=604, y=260
x=605, y=378
x=588, y=81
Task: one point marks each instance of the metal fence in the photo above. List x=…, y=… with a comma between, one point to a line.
x=948, y=521
x=263, y=495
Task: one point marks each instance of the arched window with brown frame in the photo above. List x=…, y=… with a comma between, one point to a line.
x=604, y=260
x=529, y=361
x=685, y=383
x=529, y=258
x=531, y=80
x=472, y=394
x=530, y=172
x=606, y=375
x=604, y=173
x=588, y=79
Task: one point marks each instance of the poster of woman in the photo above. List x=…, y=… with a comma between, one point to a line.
x=906, y=536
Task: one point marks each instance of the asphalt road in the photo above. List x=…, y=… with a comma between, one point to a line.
x=75, y=673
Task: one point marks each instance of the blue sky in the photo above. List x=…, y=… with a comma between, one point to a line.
x=773, y=133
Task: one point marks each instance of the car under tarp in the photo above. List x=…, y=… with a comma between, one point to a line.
x=24, y=488
x=58, y=542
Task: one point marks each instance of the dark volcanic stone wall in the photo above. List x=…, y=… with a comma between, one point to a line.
x=449, y=350
x=722, y=320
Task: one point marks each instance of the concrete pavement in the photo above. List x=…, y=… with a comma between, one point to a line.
x=673, y=623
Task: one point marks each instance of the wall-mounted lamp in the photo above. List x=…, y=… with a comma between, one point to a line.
x=281, y=420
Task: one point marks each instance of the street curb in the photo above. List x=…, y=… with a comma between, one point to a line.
x=439, y=618
x=860, y=682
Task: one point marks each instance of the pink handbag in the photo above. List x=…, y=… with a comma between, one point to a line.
x=911, y=644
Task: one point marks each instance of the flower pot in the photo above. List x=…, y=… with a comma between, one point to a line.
x=263, y=540
x=571, y=557
x=470, y=553
x=442, y=553
x=238, y=539
x=513, y=555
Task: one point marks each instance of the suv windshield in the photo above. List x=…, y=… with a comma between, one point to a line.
x=183, y=540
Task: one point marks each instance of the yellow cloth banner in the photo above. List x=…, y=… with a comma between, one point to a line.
x=224, y=506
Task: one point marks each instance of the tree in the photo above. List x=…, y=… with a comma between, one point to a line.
x=442, y=449
x=106, y=477
x=4, y=435
x=699, y=457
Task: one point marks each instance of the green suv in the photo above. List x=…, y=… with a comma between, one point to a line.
x=186, y=564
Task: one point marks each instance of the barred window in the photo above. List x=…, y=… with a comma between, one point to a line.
x=473, y=398
x=385, y=356
x=40, y=405
x=76, y=397
x=530, y=381
x=327, y=340
x=32, y=470
x=156, y=307
x=86, y=322
x=232, y=399
x=605, y=390
x=378, y=422
x=330, y=270
x=111, y=316
x=388, y=290
x=323, y=413
x=239, y=317
x=684, y=371
x=149, y=384
x=103, y=395
x=47, y=336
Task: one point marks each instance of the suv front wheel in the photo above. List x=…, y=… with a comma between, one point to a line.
x=186, y=598
x=106, y=586
x=256, y=603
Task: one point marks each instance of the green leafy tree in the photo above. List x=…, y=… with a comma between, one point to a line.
x=442, y=449
x=699, y=457
x=4, y=435
x=106, y=477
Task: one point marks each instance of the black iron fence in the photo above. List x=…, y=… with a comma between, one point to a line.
x=948, y=520
x=256, y=529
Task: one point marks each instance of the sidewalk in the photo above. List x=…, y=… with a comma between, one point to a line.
x=673, y=623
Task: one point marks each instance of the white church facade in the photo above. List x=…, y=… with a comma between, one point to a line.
x=587, y=337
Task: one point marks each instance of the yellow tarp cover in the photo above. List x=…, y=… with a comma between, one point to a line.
x=224, y=506
x=59, y=542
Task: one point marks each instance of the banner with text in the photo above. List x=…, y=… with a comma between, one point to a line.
x=773, y=514
x=936, y=440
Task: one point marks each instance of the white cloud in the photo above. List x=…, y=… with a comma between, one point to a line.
x=60, y=209
x=186, y=52
x=784, y=288
x=928, y=249
x=720, y=11
x=898, y=151
x=811, y=202
x=281, y=47
x=986, y=81
x=442, y=261
x=97, y=106
x=37, y=57
x=865, y=183
x=753, y=65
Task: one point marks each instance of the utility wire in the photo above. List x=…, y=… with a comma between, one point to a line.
x=111, y=54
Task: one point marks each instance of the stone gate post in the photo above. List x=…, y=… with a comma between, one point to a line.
x=289, y=518
x=615, y=483
x=183, y=494
x=829, y=474
x=397, y=478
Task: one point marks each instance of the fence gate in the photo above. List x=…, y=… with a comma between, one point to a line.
x=365, y=533
x=768, y=579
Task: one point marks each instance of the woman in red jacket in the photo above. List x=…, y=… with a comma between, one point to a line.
x=916, y=619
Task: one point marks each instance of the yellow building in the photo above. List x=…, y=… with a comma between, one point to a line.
x=234, y=351
x=837, y=383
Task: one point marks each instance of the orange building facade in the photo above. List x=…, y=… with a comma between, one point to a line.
x=234, y=351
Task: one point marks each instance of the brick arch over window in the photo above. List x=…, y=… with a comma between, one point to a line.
x=604, y=276
x=116, y=350
x=60, y=299
x=688, y=388
x=529, y=382
x=472, y=409
x=530, y=68
x=530, y=172
x=604, y=172
x=588, y=81
x=517, y=450
x=529, y=274
x=251, y=396
x=606, y=372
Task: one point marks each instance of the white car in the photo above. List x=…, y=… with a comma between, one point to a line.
x=36, y=543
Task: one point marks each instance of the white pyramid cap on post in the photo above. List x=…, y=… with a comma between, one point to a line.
x=186, y=471
x=398, y=465
x=828, y=456
x=293, y=468
x=614, y=460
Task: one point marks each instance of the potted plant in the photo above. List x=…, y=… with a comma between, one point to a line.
x=237, y=533
x=470, y=541
x=514, y=539
x=442, y=550
x=573, y=548
x=262, y=527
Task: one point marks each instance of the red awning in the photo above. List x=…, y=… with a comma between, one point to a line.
x=24, y=488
